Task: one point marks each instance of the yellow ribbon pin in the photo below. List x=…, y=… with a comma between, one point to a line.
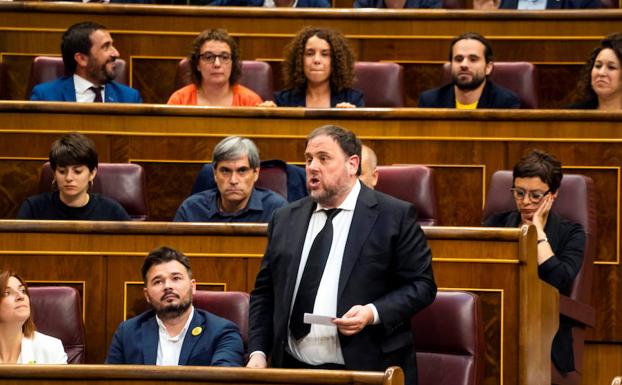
x=196, y=331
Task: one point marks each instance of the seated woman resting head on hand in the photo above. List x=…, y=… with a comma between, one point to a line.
x=73, y=160
x=318, y=71
x=536, y=180
x=19, y=342
x=215, y=66
x=601, y=83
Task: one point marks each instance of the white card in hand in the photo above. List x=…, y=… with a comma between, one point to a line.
x=309, y=318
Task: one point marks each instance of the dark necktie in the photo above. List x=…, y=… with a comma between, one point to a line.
x=311, y=277
x=98, y=94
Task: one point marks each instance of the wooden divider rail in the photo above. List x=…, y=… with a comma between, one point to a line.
x=160, y=375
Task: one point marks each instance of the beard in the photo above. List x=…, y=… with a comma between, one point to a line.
x=469, y=85
x=171, y=311
x=101, y=72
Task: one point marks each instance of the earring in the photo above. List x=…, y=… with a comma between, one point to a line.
x=90, y=184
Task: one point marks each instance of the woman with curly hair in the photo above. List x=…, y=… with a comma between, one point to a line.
x=215, y=68
x=318, y=71
x=601, y=83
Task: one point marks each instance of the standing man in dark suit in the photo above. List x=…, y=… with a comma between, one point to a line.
x=470, y=55
x=89, y=56
x=174, y=332
x=366, y=266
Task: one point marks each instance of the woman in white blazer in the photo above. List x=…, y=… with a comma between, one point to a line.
x=19, y=342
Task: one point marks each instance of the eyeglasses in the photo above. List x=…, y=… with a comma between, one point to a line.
x=210, y=57
x=534, y=196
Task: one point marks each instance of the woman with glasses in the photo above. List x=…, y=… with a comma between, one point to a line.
x=215, y=68
x=536, y=180
x=318, y=72
x=19, y=342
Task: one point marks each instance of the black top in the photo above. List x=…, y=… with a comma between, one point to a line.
x=298, y=97
x=49, y=206
x=589, y=104
x=492, y=96
x=567, y=240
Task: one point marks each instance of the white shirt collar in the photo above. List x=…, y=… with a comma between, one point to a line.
x=349, y=203
x=181, y=334
x=81, y=84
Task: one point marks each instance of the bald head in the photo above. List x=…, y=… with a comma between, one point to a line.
x=369, y=167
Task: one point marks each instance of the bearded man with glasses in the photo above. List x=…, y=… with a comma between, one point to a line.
x=536, y=180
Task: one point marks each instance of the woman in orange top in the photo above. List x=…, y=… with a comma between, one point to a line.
x=215, y=67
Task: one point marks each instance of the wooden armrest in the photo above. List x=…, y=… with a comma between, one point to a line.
x=577, y=311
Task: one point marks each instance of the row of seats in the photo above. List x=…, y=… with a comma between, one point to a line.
x=449, y=334
x=381, y=83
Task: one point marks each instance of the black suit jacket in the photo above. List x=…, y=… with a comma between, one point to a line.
x=493, y=96
x=386, y=262
x=567, y=241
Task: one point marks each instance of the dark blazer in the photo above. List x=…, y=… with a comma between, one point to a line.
x=218, y=344
x=63, y=90
x=386, y=262
x=556, y=4
x=297, y=98
x=409, y=4
x=567, y=240
x=589, y=104
x=493, y=96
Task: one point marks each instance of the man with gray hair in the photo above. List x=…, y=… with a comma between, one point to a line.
x=235, y=162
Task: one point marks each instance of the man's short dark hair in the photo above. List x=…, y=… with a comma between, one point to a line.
x=163, y=255
x=346, y=139
x=77, y=39
x=472, y=36
x=537, y=163
x=73, y=149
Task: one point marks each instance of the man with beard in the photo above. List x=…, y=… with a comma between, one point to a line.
x=470, y=55
x=89, y=58
x=351, y=255
x=174, y=332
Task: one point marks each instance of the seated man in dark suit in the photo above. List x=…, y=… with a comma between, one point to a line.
x=89, y=56
x=549, y=4
x=235, y=162
x=174, y=332
x=470, y=55
x=397, y=4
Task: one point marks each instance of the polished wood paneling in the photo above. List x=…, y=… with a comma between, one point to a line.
x=602, y=362
x=149, y=374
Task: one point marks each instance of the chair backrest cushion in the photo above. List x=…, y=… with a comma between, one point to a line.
x=575, y=202
x=232, y=305
x=449, y=340
x=47, y=68
x=414, y=184
x=519, y=77
x=256, y=75
x=57, y=312
x=382, y=84
x=123, y=182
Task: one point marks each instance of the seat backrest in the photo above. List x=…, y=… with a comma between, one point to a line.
x=449, y=340
x=414, y=184
x=272, y=177
x=382, y=84
x=575, y=202
x=123, y=182
x=256, y=75
x=232, y=305
x=57, y=312
x=4, y=81
x=519, y=77
x=46, y=68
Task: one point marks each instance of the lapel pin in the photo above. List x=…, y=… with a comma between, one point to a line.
x=197, y=330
